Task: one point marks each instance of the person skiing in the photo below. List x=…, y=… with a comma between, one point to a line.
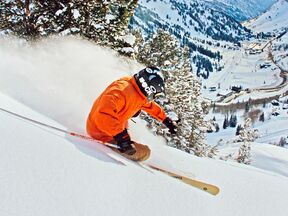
x=123, y=99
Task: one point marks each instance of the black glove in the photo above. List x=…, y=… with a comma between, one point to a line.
x=171, y=125
x=124, y=142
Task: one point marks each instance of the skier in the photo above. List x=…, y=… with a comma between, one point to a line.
x=123, y=99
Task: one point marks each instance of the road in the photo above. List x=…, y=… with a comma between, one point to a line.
x=278, y=90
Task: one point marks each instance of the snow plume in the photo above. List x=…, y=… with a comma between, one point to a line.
x=66, y=71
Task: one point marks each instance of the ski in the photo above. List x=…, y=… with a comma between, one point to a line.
x=209, y=188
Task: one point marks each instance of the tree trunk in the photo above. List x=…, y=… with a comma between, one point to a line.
x=27, y=10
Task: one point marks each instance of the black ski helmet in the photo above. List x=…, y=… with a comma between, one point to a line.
x=151, y=82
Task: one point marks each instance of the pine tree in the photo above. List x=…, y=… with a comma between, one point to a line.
x=247, y=134
x=238, y=129
x=282, y=142
x=264, y=104
x=217, y=128
x=233, y=121
x=121, y=12
x=247, y=107
x=244, y=153
x=225, y=123
x=139, y=41
x=16, y=19
x=100, y=20
x=185, y=95
x=160, y=50
x=262, y=117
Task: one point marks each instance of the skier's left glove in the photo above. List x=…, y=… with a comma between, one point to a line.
x=169, y=123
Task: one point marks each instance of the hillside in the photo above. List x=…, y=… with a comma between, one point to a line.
x=192, y=19
x=275, y=19
x=241, y=10
x=195, y=24
x=47, y=173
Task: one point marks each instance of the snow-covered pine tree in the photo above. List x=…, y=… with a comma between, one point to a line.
x=247, y=133
x=161, y=50
x=122, y=10
x=244, y=155
x=102, y=21
x=44, y=17
x=184, y=92
x=139, y=41
x=112, y=21
x=14, y=18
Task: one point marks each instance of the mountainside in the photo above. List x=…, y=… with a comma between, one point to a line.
x=45, y=173
x=187, y=19
x=275, y=19
x=194, y=24
x=241, y=10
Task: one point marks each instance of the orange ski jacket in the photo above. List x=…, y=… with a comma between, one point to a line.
x=119, y=102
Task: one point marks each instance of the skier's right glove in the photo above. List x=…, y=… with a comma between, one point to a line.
x=124, y=142
x=171, y=125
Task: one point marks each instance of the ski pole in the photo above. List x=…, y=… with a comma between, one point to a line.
x=56, y=128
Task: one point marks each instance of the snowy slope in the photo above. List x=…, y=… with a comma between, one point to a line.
x=280, y=52
x=241, y=9
x=44, y=172
x=188, y=19
x=276, y=18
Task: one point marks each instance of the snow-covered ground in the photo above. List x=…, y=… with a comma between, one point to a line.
x=250, y=66
x=276, y=18
x=44, y=172
x=245, y=8
x=271, y=130
x=242, y=69
x=280, y=52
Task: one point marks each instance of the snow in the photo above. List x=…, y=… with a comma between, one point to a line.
x=274, y=19
x=109, y=17
x=45, y=172
x=260, y=67
x=271, y=130
x=280, y=53
x=164, y=8
x=59, y=12
x=129, y=39
x=69, y=31
x=127, y=50
x=76, y=13
x=264, y=156
x=242, y=68
x=248, y=8
x=97, y=26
